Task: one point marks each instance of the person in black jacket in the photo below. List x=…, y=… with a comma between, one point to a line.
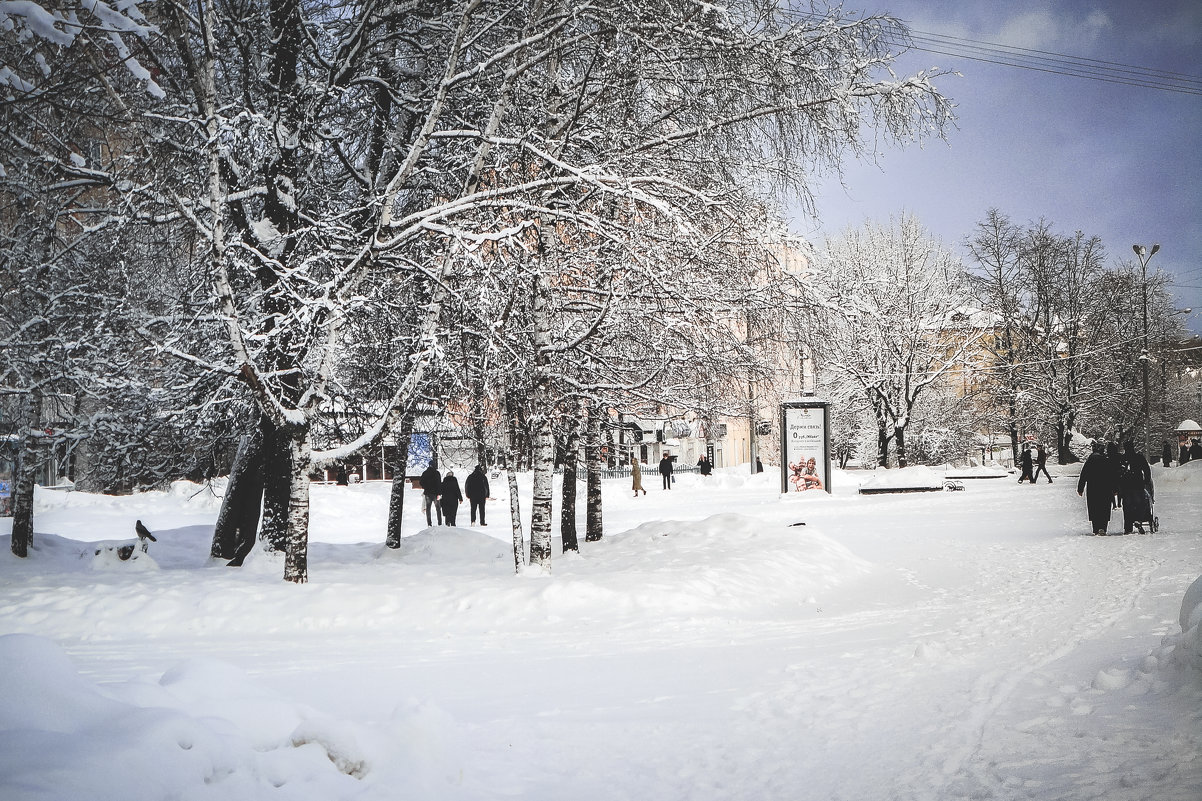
x=1097, y=475
x=1041, y=463
x=476, y=489
x=450, y=497
x=1135, y=485
x=431, y=483
x=1025, y=460
x=665, y=470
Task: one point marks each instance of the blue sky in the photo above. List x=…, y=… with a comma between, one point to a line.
x=1118, y=161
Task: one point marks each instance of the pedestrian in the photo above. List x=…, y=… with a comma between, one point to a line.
x=665, y=470
x=1041, y=463
x=1135, y=485
x=450, y=497
x=1097, y=476
x=476, y=489
x=1166, y=454
x=1025, y=461
x=759, y=466
x=1183, y=457
x=1195, y=449
x=431, y=483
x=704, y=465
x=636, y=476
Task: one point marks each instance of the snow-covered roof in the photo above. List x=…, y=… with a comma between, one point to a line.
x=1189, y=425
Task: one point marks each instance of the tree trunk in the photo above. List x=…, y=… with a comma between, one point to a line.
x=515, y=516
x=238, y=520
x=899, y=434
x=296, y=551
x=592, y=460
x=277, y=469
x=515, y=509
x=567, y=512
x=544, y=441
x=396, y=499
x=540, y=512
x=882, y=444
x=27, y=463
x=1013, y=436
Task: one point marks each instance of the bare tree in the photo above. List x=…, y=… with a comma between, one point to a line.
x=896, y=325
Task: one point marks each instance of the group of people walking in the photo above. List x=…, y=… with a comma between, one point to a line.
x=666, y=473
x=1187, y=454
x=1039, y=462
x=442, y=493
x=1111, y=480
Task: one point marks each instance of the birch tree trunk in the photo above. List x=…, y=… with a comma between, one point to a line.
x=515, y=509
x=296, y=550
x=544, y=441
x=396, y=498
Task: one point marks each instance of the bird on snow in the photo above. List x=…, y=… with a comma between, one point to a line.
x=143, y=532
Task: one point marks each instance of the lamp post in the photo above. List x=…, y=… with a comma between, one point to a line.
x=1144, y=257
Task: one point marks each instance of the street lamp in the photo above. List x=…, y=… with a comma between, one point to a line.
x=1144, y=257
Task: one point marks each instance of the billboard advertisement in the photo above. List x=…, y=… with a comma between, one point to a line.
x=805, y=446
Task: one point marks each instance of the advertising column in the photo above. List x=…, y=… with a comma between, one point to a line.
x=805, y=446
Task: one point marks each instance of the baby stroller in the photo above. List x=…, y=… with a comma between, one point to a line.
x=1150, y=518
x=1139, y=509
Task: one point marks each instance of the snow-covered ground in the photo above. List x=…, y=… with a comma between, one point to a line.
x=944, y=645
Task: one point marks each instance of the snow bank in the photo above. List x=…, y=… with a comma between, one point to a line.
x=918, y=477
x=205, y=726
x=1188, y=651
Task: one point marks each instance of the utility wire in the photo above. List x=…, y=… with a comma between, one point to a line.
x=1038, y=60
x=1054, y=63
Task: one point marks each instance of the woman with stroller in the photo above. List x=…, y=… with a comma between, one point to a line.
x=1135, y=487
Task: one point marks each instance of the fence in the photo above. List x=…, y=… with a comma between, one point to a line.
x=624, y=472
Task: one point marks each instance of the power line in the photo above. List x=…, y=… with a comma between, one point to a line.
x=1054, y=63
x=1040, y=60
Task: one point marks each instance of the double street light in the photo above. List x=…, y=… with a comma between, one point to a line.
x=1144, y=257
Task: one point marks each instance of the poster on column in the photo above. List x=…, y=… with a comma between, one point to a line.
x=805, y=446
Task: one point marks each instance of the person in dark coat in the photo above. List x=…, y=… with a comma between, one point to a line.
x=1135, y=485
x=476, y=489
x=450, y=498
x=1183, y=457
x=431, y=483
x=665, y=470
x=1097, y=476
x=1166, y=454
x=704, y=465
x=1041, y=464
x=759, y=466
x=1195, y=450
x=1025, y=461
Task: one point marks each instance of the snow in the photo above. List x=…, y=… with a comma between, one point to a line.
x=915, y=646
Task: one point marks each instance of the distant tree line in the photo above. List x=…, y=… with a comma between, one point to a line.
x=1035, y=334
